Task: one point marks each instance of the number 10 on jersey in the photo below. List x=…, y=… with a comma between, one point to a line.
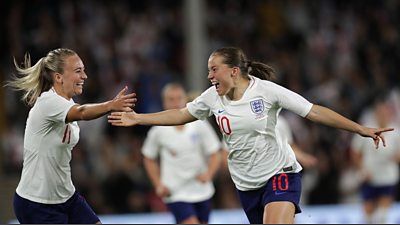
x=224, y=125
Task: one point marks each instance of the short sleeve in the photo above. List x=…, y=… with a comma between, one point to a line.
x=200, y=107
x=290, y=100
x=56, y=107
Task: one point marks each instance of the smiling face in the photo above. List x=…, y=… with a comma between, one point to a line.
x=73, y=76
x=220, y=75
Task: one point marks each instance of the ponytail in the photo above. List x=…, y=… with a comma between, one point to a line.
x=30, y=82
x=37, y=79
x=261, y=70
x=234, y=57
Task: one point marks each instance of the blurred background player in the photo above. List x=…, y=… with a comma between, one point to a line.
x=188, y=160
x=379, y=168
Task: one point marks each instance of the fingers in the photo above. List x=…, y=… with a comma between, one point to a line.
x=378, y=136
x=128, y=108
x=115, y=115
x=383, y=140
x=376, y=140
x=385, y=130
x=122, y=91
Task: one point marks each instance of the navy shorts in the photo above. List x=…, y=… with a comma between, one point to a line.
x=74, y=210
x=370, y=192
x=281, y=187
x=184, y=210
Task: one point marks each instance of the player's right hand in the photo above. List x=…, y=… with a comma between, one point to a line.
x=162, y=191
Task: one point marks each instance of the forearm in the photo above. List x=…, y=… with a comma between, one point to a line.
x=88, y=111
x=213, y=164
x=166, y=118
x=329, y=117
x=153, y=170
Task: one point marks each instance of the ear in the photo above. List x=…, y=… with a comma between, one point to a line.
x=58, y=78
x=235, y=72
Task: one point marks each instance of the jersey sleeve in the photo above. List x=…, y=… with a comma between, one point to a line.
x=209, y=138
x=290, y=100
x=151, y=147
x=57, y=108
x=200, y=107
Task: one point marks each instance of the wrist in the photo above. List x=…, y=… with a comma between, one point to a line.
x=108, y=106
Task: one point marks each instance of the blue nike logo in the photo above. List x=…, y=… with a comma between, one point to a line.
x=221, y=110
x=279, y=192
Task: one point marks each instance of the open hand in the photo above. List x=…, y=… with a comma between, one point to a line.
x=123, y=102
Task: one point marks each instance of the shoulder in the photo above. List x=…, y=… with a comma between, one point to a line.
x=263, y=85
x=210, y=93
x=52, y=98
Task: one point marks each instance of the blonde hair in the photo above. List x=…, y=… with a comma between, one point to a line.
x=38, y=78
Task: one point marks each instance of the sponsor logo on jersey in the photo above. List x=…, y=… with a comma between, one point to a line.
x=221, y=110
x=257, y=106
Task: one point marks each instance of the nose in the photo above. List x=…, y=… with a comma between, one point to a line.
x=84, y=75
x=209, y=75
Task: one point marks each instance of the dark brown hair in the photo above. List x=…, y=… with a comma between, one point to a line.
x=234, y=57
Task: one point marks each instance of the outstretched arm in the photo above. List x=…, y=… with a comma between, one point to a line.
x=329, y=117
x=164, y=118
x=121, y=102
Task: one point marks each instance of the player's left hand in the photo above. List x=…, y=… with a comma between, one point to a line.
x=376, y=134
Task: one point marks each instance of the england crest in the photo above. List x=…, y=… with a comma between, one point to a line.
x=257, y=106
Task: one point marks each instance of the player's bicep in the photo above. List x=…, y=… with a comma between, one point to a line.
x=187, y=117
x=74, y=114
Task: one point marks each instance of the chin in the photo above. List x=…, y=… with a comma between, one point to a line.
x=78, y=92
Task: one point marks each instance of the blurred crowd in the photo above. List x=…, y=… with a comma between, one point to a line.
x=335, y=53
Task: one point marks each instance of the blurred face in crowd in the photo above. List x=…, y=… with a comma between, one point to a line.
x=174, y=98
x=73, y=77
x=220, y=75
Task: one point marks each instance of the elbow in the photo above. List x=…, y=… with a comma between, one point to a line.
x=312, y=115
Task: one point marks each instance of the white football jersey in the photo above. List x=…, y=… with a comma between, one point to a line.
x=380, y=163
x=48, y=142
x=183, y=156
x=283, y=127
x=256, y=150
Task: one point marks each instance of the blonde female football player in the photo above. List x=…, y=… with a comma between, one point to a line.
x=246, y=106
x=181, y=162
x=45, y=193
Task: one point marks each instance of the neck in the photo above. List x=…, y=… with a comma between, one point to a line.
x=237, y=92
x=59, y=90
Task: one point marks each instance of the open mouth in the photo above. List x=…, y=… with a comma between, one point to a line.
x=216, y=84
x=80, y=84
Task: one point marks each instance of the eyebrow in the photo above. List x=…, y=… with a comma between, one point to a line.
x=79, y=68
